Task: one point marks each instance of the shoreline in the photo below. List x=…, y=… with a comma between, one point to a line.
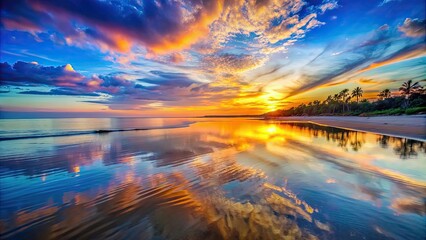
x=412, y=126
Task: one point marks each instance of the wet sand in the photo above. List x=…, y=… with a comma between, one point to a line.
x=402, y=126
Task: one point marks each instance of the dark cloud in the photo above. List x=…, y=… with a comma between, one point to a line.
x=159, y=25
x=413, y=27
x=20, y=15
x=64, y=79
x=163, y=80
x=114, y=81
x=23, y=73
x=60, y=92
x=209, y=88
x=118, y=91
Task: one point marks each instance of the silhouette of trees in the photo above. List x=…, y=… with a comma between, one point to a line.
x=409, y=87
x=407, y=148
x=357, y=93
x=412, y=100
x=344, y=97
x=384, y=94
x=356, y=144
x=383, y=141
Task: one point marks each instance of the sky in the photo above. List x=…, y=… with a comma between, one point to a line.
x=201, y=57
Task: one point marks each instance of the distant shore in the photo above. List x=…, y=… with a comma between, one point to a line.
x=413, y=126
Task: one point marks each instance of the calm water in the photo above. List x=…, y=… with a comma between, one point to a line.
x=207, y=179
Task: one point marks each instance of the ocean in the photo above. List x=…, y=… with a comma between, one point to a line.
x=207, y=178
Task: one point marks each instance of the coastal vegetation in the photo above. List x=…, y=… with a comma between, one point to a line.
x=410, y=100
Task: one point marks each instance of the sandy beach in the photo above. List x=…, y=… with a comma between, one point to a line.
x=403, y=126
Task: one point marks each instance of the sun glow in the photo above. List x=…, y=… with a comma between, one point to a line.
x=272, y=100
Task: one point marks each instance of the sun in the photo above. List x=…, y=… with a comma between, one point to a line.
x=272, y=100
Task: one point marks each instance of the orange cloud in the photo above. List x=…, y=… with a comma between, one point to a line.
x=194, y=30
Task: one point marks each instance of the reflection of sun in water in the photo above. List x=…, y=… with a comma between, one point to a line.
x=272, y=129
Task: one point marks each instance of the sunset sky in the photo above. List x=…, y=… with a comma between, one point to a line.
x=201, y=57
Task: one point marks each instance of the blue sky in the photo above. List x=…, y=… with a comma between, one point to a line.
x=179, y=58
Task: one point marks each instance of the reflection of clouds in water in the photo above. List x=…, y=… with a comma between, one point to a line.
x=409, y=205
x=221, y=179
x=144, y=207
x=330, y=180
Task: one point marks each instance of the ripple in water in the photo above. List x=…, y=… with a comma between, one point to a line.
x=227, y=179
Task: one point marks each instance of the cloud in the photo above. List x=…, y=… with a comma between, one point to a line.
x=166, y=80
x=292, y=27
x=232, y=63
x=168, y=89
x=26, y=53
x=19, y=15
x=176, y=58
x=413, y=27
x=379, y=48
x=23, y=73
x=274, y=23
x=60, y=92
x=204, y=88
x=367, y=81
x=219, y=39
x=160, y=26
x=268, y=71
x=387, y=1
x=406, y=53
x=364, y=51
x=328, y=5
x=64, y=79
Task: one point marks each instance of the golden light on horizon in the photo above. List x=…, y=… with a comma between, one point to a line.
x=272, y=100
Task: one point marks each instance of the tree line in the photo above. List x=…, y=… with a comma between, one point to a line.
x=412, y=100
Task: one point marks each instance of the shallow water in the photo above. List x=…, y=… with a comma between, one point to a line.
x=207, y=179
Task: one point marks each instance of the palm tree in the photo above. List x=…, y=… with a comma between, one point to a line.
x=336, y=97
x=335, y=101
x=357, y=92
x=384, y=94
x=316, y=108
x=329, y=100
x=344, y=96
x=347, y=101
x=409, y=87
